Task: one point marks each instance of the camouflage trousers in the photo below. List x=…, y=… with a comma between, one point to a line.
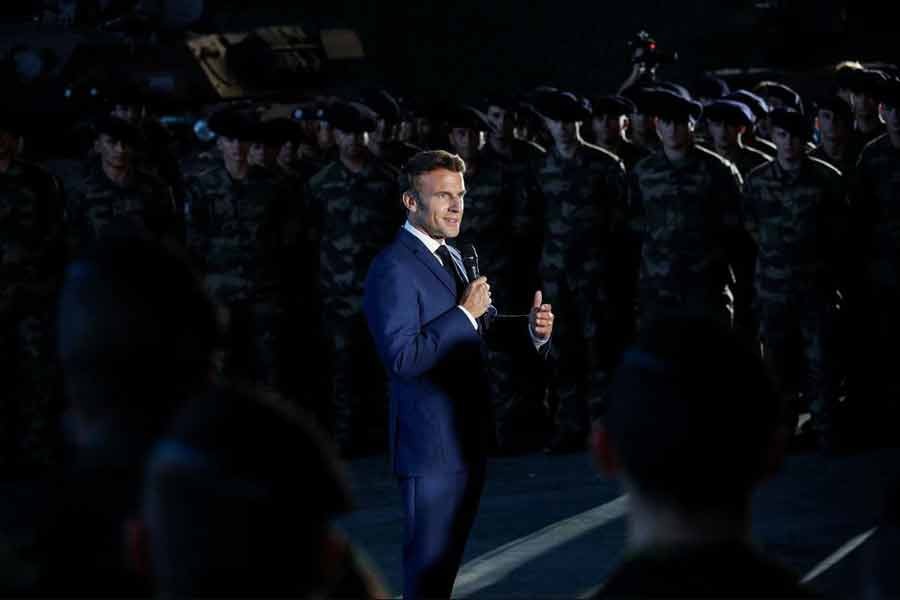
x=29, y=408
x=252, y=346
x=578, y=377
x=359, y=396
x=801, y=328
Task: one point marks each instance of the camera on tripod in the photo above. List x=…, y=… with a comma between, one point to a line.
x=644, y=49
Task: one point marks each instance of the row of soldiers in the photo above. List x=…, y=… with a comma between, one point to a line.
x=712, y=203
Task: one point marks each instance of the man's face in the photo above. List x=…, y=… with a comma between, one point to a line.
x=9, y=143
x=723, y=135
x=114, y=153
x=324, y=135
x=127, y=112
x=890, y=114
x=864, y=104
x=564, y=133
x=674, y=134
x=351, y=145
x=465, y=141
x=502, y=122
x=437, y=207
x=831, y=126
x=791, y=148
x=233, y=150
x=607, y=129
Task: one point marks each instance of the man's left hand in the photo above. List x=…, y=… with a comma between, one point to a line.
x=541, y=318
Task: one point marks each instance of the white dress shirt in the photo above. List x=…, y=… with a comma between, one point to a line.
x=433, y=245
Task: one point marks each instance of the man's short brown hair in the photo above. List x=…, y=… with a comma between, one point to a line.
x=425, y=162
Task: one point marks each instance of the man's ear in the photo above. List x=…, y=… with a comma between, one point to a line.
x=409, y=201
x=602, y=451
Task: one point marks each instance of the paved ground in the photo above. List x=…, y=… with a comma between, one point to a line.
x=550, y=527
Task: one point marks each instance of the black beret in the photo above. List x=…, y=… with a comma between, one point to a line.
x=669, y=104
x=866, y=81
x=729, y=111
x=792, y=121
x=118, y=129
x=467, y=117
x=755, y=103
x=561, y=106
x=773, y=89
x=233, y=124
x=837, y=105
x=710, y=87
x=351, y=117
x=383, y=105
x=612, y=105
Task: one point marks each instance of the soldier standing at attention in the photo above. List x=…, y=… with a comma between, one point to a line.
x=795, y=209
x=242, y=231
x=685, y=206
x=584, y=202
x=31, y=260
x=118, y=199
x=354, y=210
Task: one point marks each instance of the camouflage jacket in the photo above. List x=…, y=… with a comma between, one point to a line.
x=31, y=250
x=244, y=233
x=876, y=211
x=798, y=220
x=583, y=209
x=744, y=158
x=142, y=206
x=352, y=216
x=687, y=215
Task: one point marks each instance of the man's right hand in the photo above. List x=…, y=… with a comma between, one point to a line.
x=477, y=297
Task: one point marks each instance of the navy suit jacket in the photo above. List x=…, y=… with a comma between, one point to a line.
x=439, y=401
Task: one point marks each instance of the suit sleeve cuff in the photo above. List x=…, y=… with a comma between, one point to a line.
x=469, y=316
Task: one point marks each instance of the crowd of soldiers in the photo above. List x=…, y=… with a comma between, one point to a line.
x=621, y=208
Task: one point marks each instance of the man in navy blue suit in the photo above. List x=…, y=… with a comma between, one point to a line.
x=427, y=320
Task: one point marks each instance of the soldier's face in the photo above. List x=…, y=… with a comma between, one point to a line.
x=831, y=126
x=607, y=128
x=351, y=145
x=113, y=153
x=864, y=105
x=233, y=150
x=890, y=114
x=437, y=208
x=791, y=148
x=8, y=144
x=674, y=134
x=465, y=141
x=501, y=121
x=723, y=134
x=563, y=133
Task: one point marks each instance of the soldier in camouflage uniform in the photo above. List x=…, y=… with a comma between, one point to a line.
x=606, y=125
x=795, y=208
x=495, y=225
x=727, y=122
x=685, y=207
x=840, y=145
x=354, y=210
x=31, y=258
x=118, y=199
x=582, y=190
x=876, y=224
x=243, y=229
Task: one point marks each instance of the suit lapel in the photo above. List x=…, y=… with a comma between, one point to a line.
x=427, y=259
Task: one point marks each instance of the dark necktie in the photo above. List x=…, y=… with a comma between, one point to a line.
x=444, y=254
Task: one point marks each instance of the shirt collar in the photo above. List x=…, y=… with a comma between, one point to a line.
x=430, y=243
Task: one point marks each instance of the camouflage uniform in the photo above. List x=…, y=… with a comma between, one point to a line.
x=352, y=216
x=796, y=219
x=876, y=221
x=142, y=206
x=687, y=215
x=245, y=234
x=583, y=201
x=31, y=259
